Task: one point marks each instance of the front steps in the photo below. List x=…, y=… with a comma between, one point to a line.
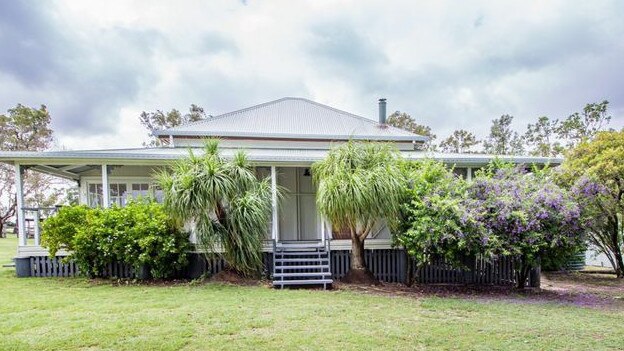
x=301, y=263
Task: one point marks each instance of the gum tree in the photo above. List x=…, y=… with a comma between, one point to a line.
x=225, y=202
x=359, y=187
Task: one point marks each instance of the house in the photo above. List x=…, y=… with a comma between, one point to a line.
x=282, y=138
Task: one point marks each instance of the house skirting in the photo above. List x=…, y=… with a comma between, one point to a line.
x=388, y=265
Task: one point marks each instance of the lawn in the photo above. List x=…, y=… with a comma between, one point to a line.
x=76, y=314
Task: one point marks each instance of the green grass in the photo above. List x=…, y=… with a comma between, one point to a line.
x=75, y=314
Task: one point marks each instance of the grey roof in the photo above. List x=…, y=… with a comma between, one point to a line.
x=254, y=154
x=292, y=118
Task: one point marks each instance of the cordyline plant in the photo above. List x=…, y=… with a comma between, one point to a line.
x=526, y=216
x=226, y=203
x=359, y=187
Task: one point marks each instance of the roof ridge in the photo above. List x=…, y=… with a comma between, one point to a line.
x=343, y=112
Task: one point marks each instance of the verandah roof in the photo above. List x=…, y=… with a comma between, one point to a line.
x=70, y=164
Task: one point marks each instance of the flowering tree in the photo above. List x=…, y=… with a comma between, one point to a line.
x=596, y=172
x=526, y=216
x=436, y=218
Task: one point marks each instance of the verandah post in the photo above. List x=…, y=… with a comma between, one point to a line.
x=19, y=190
x=105, y=187
x=274, y=218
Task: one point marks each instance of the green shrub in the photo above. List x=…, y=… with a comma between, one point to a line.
x=58, y=231
x=140, y=234
x=435, y=221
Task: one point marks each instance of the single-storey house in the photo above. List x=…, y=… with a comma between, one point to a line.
x=282, y=138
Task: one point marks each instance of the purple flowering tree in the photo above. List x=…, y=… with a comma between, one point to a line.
x=525, y=216
x=436, y=220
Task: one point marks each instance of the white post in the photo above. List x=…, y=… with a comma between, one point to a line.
x=469, y=173
x=274, y=218
x=323, y=231
x=19, y=191
x=105, y=187
x=37, y=229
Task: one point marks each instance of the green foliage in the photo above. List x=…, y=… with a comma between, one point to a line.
x=359, y=184
x=435, y=219
x=140, y=234
x=162, y=120
x=459, y=142
x=225, y=201
x=540, y=138
x=404, y=121
x=59, y=231
x=502, y=139
x=359, y=187
x=595, y=171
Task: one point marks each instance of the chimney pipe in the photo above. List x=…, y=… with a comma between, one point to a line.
x=382, y=111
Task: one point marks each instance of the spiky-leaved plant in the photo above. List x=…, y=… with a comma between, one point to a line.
x=359, y=186
x=228, y=205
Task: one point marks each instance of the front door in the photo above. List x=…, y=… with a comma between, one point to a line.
x=298, y=216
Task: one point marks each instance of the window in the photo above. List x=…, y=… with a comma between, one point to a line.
x=94, y=196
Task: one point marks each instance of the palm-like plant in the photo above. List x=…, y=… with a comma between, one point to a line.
x=359, y=186
x=225, y=201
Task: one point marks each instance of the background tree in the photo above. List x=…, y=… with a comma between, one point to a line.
x=597, y=172
x=404, y=121
x=585, y=125
x=359, y=186
x=502, y=139
x=459, y=142
x=162, y=120
x=24, y=128
x=540, y=138
x=225, y=201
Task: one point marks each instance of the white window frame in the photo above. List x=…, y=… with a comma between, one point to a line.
x=128, y=181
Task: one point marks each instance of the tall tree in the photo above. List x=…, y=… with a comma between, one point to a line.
x=596, y=169
x=540, y=138
x=459, y=142
x=359, y=186
x=404, y=121
x=24, y=128
x=159, y=120
x=502, y=139
x=581, y=126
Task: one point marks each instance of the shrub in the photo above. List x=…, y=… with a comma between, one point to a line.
x=527, y=217
x=140, y=234
x=436, y=222
x=58, y=231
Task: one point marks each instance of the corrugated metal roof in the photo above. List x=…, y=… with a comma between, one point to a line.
x=296, y=118
x=255, y=154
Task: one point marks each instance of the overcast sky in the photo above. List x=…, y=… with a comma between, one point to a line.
x=451, y=65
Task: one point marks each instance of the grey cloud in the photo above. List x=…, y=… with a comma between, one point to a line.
x=339, y=50
x=85, y=82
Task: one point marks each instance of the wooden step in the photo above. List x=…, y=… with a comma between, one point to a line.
x=303, y=260
x=318, y=266
x=301, y=253
x=303, y=282
x=311, y=274
x=299, y=245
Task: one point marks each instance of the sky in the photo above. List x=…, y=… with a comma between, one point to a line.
x=451, y=65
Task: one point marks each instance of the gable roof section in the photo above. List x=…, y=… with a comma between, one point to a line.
x=291, y=118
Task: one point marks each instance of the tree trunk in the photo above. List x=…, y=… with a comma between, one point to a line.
x=522, y=273
x=358, y=258
x=617, y=250
x=358, y=272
